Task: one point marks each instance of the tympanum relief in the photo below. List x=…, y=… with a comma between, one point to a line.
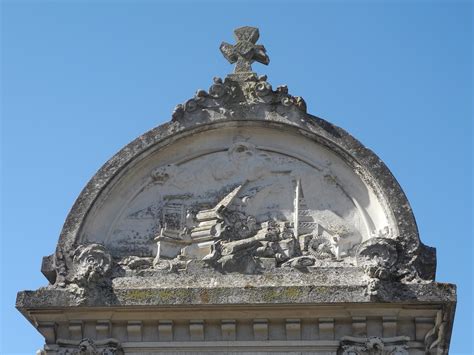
x=243, y=209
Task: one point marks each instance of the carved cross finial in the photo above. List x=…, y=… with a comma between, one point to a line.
x=245, y=51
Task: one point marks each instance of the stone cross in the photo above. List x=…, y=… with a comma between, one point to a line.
x=245, y=51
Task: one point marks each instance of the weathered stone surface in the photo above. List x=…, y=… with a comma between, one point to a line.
x=150, y=291
x=244, y=198
x=261, y=174
x=245, y=51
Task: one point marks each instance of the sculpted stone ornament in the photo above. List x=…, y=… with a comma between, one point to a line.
x=379, y=258
x=91, y=264
x=230, y=99
x=236, y=222
x=374, y=346
x=435, y=338
x=88, y=347
x=86, y=271
x=245, y=51
x=271, y=245
x=242, y=93
x=242, y=199
x=230, y=238
x=163, y=173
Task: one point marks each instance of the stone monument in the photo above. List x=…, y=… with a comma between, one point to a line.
x=243, y=225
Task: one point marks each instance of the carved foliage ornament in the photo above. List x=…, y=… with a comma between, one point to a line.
x=234, y=98
x=374, y=346
x=89, y=347
x=435, y=339
x=378, y=256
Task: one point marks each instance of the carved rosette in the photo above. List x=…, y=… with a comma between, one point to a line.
x=83, y=269
x=91, y=263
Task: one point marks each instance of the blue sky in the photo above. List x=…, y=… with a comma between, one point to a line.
x=80, y=79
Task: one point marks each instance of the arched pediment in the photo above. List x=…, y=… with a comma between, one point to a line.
x=244, y=180
x=286, y=171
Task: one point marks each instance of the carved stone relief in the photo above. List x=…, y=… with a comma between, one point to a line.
x=230, y=96
x=86, y=271
x=374, y=346
x=89, y=347
x=246, y=197
x=435, y=339
x=246, y=206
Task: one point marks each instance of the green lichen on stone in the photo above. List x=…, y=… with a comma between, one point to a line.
x=270, y=295
x=139, y=295
x=171, y=294
x=292, y=292
x=288, y=293
x=164, y=295
x=318, y=289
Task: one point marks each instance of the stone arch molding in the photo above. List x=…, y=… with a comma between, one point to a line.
x=272, y=194
x=241, y=180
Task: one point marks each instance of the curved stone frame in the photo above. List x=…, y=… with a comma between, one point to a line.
x=362, y=160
